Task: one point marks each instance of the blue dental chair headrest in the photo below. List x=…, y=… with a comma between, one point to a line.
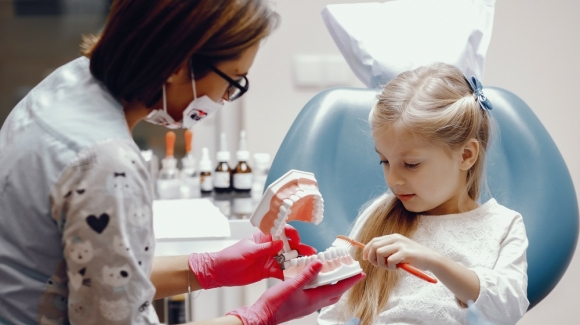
x=525, y=172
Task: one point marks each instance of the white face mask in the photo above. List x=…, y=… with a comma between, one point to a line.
x=196, y=111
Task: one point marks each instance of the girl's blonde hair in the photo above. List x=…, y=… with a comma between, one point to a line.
x=436, y=103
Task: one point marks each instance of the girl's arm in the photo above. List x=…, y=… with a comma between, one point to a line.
x=463, y=282
x=389, y=250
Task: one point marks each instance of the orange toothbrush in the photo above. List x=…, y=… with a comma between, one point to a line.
x=412, y=270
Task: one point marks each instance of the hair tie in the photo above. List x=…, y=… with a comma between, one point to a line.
x=478, y=92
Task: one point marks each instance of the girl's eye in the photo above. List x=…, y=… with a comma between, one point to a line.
x=383, y=162
x=411, y=166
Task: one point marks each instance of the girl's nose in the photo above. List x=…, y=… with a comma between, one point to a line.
x=394, y=178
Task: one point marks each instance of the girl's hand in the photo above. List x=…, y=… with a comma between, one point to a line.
x=390, y=250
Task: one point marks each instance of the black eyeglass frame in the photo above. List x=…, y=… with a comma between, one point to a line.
x=232, y=82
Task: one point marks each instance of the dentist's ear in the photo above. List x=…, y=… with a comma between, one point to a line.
x=182, y=73
x=469, y=154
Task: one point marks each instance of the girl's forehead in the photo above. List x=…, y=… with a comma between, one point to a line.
x=399, y=142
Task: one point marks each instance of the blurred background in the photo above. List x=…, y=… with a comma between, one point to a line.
x=534, y=52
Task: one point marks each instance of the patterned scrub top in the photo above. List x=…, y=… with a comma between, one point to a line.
x=76, y=232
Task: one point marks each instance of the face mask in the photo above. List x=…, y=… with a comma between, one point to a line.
x=196, y=111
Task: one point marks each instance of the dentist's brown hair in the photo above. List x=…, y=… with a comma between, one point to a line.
x=144, y=41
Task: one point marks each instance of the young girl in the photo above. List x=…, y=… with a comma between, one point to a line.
x=431, y=128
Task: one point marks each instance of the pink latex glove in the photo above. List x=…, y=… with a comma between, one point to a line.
x=289, y=300
x=247, y=261
x=293, y=239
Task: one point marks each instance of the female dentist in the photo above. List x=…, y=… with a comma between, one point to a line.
x=76, y=238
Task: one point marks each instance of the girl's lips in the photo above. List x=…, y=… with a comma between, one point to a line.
x=405, y=197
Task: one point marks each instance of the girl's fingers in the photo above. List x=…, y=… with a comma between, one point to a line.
x=392, y=261
x=384, y=253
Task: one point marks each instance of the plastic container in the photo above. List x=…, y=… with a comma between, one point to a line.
x=261, y=169
x=168, y=182
x=190, y=184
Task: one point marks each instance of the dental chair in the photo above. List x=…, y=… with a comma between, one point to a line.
x=525, y=172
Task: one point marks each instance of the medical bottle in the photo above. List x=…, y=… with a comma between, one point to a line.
x=242, y=176
x=205, y=175
x=168, y=183
x=190, y=187
x=223, y=173
x=260, y=170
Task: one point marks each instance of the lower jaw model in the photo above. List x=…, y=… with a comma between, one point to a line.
x=295, y=196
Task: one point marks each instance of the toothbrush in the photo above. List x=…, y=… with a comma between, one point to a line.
x=412, y=270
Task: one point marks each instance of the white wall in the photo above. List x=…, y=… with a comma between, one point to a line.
x=534, y=52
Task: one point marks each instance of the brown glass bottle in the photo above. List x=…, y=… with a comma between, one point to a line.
x=222, y=178
x=242, y=177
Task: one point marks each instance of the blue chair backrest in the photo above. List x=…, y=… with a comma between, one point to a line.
x=525, y=172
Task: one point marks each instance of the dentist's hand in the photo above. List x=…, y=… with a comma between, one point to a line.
x=247, y=261
x=293, y=239
x=289, y=300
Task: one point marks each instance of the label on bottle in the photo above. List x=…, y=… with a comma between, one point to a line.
x=206, y=182
x=221, y=179
x=243, y=181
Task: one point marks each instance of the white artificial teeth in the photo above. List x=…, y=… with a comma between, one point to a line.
x=288, y=203
x=294, y=198
x=274, y=231
x=284, y=209
x=294, y=262
x=333, y=252
x=321, y=257
x=327, y=255
x=317, y=219
x=300, y=261
x=301, y=194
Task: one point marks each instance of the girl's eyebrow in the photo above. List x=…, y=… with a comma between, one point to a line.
x=413, y=153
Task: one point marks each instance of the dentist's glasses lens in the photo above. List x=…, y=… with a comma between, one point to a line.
x=237, y=87
x=236, y=90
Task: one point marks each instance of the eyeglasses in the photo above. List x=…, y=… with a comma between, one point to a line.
x=237, y=87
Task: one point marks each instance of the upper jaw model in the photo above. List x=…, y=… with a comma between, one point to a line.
x=295, y=196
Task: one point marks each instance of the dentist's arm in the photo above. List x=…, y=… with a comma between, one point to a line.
x=247, y=261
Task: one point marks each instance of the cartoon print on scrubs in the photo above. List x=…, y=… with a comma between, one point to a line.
x=108, y=238
x=139, y=216
x=80, y=251
x=120, y=246
x=98, y=223
x=78, y=308
x=116, y=277
x=55, y=296
x=77, y=280
x=47, y=321
x=115, y=310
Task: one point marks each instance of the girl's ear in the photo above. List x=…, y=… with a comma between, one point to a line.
x=469, y=154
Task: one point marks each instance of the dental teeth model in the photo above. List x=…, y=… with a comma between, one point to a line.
x=295, y=196
x=338, y=265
